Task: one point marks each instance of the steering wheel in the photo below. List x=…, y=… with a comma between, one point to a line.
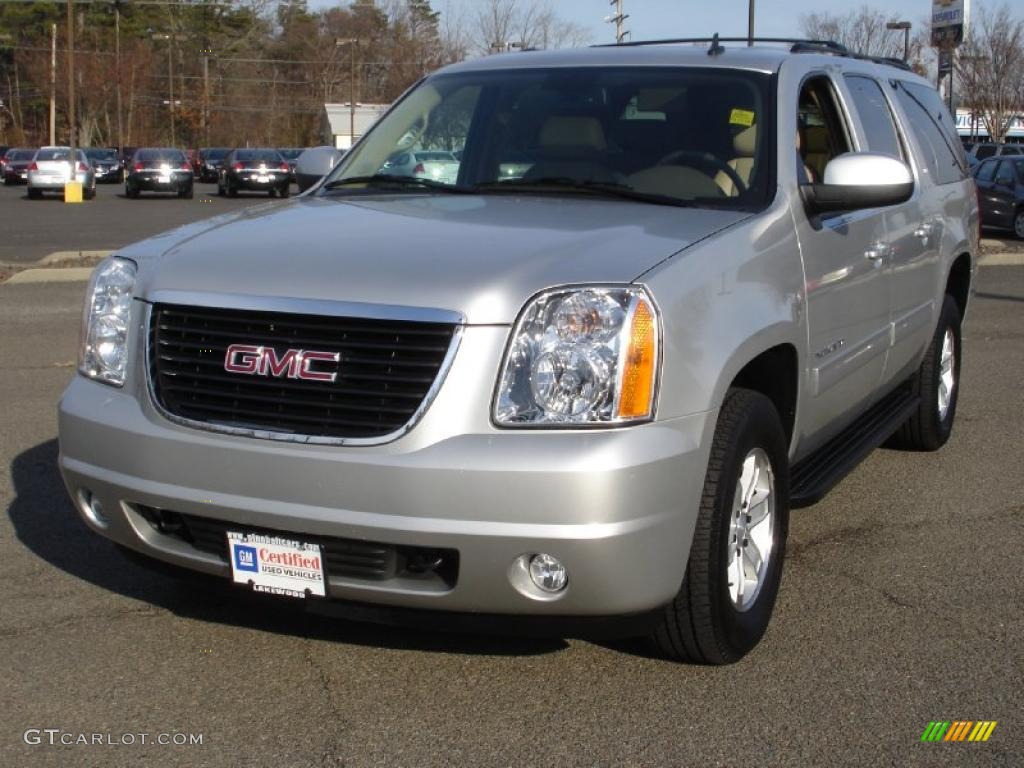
x=702, y=160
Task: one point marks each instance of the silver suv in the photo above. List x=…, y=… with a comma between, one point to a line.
x=672, y=291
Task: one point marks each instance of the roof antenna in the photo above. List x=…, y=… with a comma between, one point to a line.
x=716, y=47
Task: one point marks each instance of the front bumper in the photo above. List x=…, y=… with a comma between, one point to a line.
x=616, y=506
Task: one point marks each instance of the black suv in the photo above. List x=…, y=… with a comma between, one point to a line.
x=1001, y=193
x=257, y=170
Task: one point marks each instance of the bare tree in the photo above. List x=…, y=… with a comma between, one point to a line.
x=990, y=68
x=862, y=31
x=523, y=23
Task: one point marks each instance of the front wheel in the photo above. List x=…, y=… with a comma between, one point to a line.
x=1018, y=224
x=732, y=578
x=937, y=382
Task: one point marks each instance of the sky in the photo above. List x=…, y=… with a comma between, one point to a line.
x=652, y=19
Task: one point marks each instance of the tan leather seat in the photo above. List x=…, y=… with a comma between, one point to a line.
x=744, y=145
x=817, y=153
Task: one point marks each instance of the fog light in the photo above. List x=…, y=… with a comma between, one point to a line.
x=548, y=573
x=94, y=508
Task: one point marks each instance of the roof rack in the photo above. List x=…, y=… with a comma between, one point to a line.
x=797, y=45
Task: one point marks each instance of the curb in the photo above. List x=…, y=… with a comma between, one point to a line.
x=61, y=257
x=69, y=275
x=1004, y=259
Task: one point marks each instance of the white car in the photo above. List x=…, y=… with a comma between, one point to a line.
x=435, y=165
x=51, y=169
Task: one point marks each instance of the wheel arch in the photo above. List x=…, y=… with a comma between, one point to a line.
x=958, y=281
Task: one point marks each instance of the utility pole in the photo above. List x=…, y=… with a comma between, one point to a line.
x=71, y=83
x=206, y=97
x=170, y=80
x=350, y=41
x=750, y=24
x=117, y=65
x=618, y=19
x=53, y=85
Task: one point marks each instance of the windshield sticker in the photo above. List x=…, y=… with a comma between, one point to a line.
x=742, y=117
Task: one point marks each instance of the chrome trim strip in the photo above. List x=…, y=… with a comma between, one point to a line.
x=249, y=302
x=355, y=309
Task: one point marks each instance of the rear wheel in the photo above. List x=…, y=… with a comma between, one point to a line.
x=232, y=190
x=937, y=382
x=34, y=194
x=131, y=192
x=732, y=578
x=284, y=191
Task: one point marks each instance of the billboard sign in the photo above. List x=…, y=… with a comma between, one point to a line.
x=949, y=22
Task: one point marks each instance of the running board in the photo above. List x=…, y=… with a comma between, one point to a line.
x=814, y=476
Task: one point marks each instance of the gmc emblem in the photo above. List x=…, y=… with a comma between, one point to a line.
x=263, y=361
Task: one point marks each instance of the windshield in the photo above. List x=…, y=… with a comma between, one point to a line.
x=290, y=154
x=213, y=154
x=101, y=154
x=20, y=154
x=687, y=136
x=45, y=155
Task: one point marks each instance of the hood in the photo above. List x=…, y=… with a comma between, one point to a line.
x=481, y=256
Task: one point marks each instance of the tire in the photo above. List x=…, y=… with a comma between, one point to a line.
x=272, y=192
x=131, y=193
x=89, y=194
x=186, y=193
x=232, y=190
x=930, y=427
x=710, y=621
x=34, y=194
x=284, y=191
x=220, y=190
x=1018, y=224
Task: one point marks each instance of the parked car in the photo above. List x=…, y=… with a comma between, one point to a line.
x=159, y=169
x=594, y=391
x=106, y=163
x=435, y=165
x=1000, y=183
x=126, y=156
x=315, y=163
x=254, y=170
x=15, y=165
x=210, y=161
x=51, y=169
x=984, y=150
x=291, y=155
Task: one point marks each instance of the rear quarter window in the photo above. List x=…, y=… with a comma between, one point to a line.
x=942, y=153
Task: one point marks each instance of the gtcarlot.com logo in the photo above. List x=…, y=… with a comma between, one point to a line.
x=958, y=730
x=58, y=737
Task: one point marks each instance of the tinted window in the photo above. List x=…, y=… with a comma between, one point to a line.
x=101, y=154
x=1011, y=151
x=936, y=135
x=1005, y=174
x=983, y=151
x=986, y=171
x=875, y=116
x=170, y=156
x=213, y=154
x=1019, y=165
x=290, y=154
x=21, y=154
x=269, y=156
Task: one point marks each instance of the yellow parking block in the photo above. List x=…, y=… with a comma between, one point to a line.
x=73, y=192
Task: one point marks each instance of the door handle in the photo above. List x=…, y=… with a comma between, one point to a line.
x=877, y=252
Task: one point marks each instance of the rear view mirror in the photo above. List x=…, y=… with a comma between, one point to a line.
x=857, y=180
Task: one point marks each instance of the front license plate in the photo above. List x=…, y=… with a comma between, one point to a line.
x=276, y=566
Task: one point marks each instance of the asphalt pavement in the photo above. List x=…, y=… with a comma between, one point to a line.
x=900, y=605
x=32, y=229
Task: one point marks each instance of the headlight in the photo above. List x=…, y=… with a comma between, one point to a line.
x=581, y=356
x=108, y=305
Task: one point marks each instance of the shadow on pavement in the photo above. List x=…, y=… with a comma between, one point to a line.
x=47, y=524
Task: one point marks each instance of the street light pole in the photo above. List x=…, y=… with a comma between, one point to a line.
x=905, y=26
x=750, y=24
x=117, y=65
x=53, y=86
x=170, y=81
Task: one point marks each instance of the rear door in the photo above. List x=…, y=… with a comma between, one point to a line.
x=984, y=176
x=1002, y=193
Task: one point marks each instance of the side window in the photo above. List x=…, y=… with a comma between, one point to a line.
x=875, y=116
x=1011, y=151
x=987, y=171
x=943, y=154
x=1019, y=165
x=983, y=151
x=1004, y=174
x=821, y=130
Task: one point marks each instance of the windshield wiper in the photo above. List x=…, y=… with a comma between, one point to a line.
x=606, y=188
x=390, y=179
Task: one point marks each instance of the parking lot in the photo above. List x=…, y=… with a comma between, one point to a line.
x=110, y=221
x=900, y=604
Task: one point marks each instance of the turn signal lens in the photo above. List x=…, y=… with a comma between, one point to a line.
x=638, y=366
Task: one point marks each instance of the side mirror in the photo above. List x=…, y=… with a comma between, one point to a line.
x=857, y=180
x=315, y=163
